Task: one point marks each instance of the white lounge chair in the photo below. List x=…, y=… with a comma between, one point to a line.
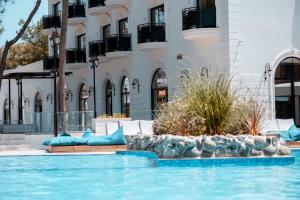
x=100, y=127
x=130, y=127
x=111, y=127
x=146, y=127
x=285, y=124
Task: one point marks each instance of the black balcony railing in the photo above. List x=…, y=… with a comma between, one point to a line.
x=197, y=17
x=51, y=22
x=118, y=43
x=76, y=56
x=96, y=48
x=77, y=10
x=96, y=3
x=151, y=32
x=48, y=63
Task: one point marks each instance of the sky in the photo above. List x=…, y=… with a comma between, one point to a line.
x=14, y=12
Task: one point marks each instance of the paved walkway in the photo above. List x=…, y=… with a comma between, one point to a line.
x=45, y=153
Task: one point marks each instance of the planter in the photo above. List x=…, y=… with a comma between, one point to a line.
x=105, y=126
x=172, y=147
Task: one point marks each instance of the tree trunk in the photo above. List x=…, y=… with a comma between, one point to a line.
x=62, y=61
x=10, y=43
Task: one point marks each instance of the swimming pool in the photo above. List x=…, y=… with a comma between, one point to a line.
x=129, y=177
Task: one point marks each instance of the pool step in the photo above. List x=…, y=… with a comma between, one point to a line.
x=12, y=136
x=15, y=147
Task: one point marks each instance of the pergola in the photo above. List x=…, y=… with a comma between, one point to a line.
x=19, y=77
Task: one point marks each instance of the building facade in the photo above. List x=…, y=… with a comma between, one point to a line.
x=144, y=48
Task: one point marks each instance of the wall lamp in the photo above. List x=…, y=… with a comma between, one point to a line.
x=69, y=94
x=268, y=71
x=135, y=83
x=49, y=98
x=27, y=102
x=91, y=90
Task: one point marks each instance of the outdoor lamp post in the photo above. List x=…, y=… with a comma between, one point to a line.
x=55, y=42
x=94, y=61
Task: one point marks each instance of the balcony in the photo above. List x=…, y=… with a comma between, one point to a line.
x=97, y=7
x=76, y=58
x=76, y=14
x=199, y=22
x=50, y=23
x=151, y=36
x=96, y=48
x=113, y=4
x=118, y=46
x=48, y=63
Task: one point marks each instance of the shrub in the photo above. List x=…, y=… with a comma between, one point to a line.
x=115, y=115
x=205, y=105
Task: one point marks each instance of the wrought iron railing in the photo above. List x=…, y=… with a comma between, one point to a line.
x=198, y=17
x=151, y=32
x=77, y=10
x=51, y=21
x=118, y=43
x=96, y=3
x=76, y=56
x=96, y=48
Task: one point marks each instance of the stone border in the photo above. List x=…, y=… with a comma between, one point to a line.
x=174, y=147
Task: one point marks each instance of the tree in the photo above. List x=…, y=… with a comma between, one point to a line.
x=62, y=61
x=34, y=47
x=10, y=43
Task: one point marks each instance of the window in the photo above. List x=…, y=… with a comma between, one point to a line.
x=106, y=31
x=207, y=3
x=108, y=99
x=125, y=96
x=158, y=14
x=287, y=90
x=123, y=26
x=81, y=41
x=159, y=89
x=6, y=114
x=57, y=9
x=38, y=104
x=83, y=106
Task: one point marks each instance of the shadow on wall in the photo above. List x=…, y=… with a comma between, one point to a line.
x=296, y=26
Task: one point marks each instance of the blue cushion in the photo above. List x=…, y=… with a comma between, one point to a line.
x=47, y=142
x=294, y=135
x=63, y=141
x=88, y=133
x=64, y=134
x=81, y=141
x=293, y=128
x=117, y=138
x=285, y=136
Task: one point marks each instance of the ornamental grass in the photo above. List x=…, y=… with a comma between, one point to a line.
x=208, y=105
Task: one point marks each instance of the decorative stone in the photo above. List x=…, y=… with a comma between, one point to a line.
x=260, y=142
x=270, y=150
x=220, y=152
x=255, y=153
x=169, y=153
x=275, y=141
x=284, y=151
x=206, y=154
x=191, y=152
x=249, y=142
x=209, y=145
x=243, y=150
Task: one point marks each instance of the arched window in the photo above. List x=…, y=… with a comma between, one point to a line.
x=287, y=89
x=6, y=116
x=125, y=96
x=159, y=89
x=108, y=98
x=38, y=104
x=83, y=98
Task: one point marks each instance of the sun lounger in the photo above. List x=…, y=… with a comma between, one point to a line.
x=130, y=127
x=146, y=127
x=111, y=127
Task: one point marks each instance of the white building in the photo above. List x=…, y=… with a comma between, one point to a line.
x=144, y=46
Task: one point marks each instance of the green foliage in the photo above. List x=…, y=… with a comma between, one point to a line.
x=33, y=47
x=115, y=115
x=206, y=102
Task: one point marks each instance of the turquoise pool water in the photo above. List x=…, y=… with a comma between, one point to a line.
x=128, y=177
